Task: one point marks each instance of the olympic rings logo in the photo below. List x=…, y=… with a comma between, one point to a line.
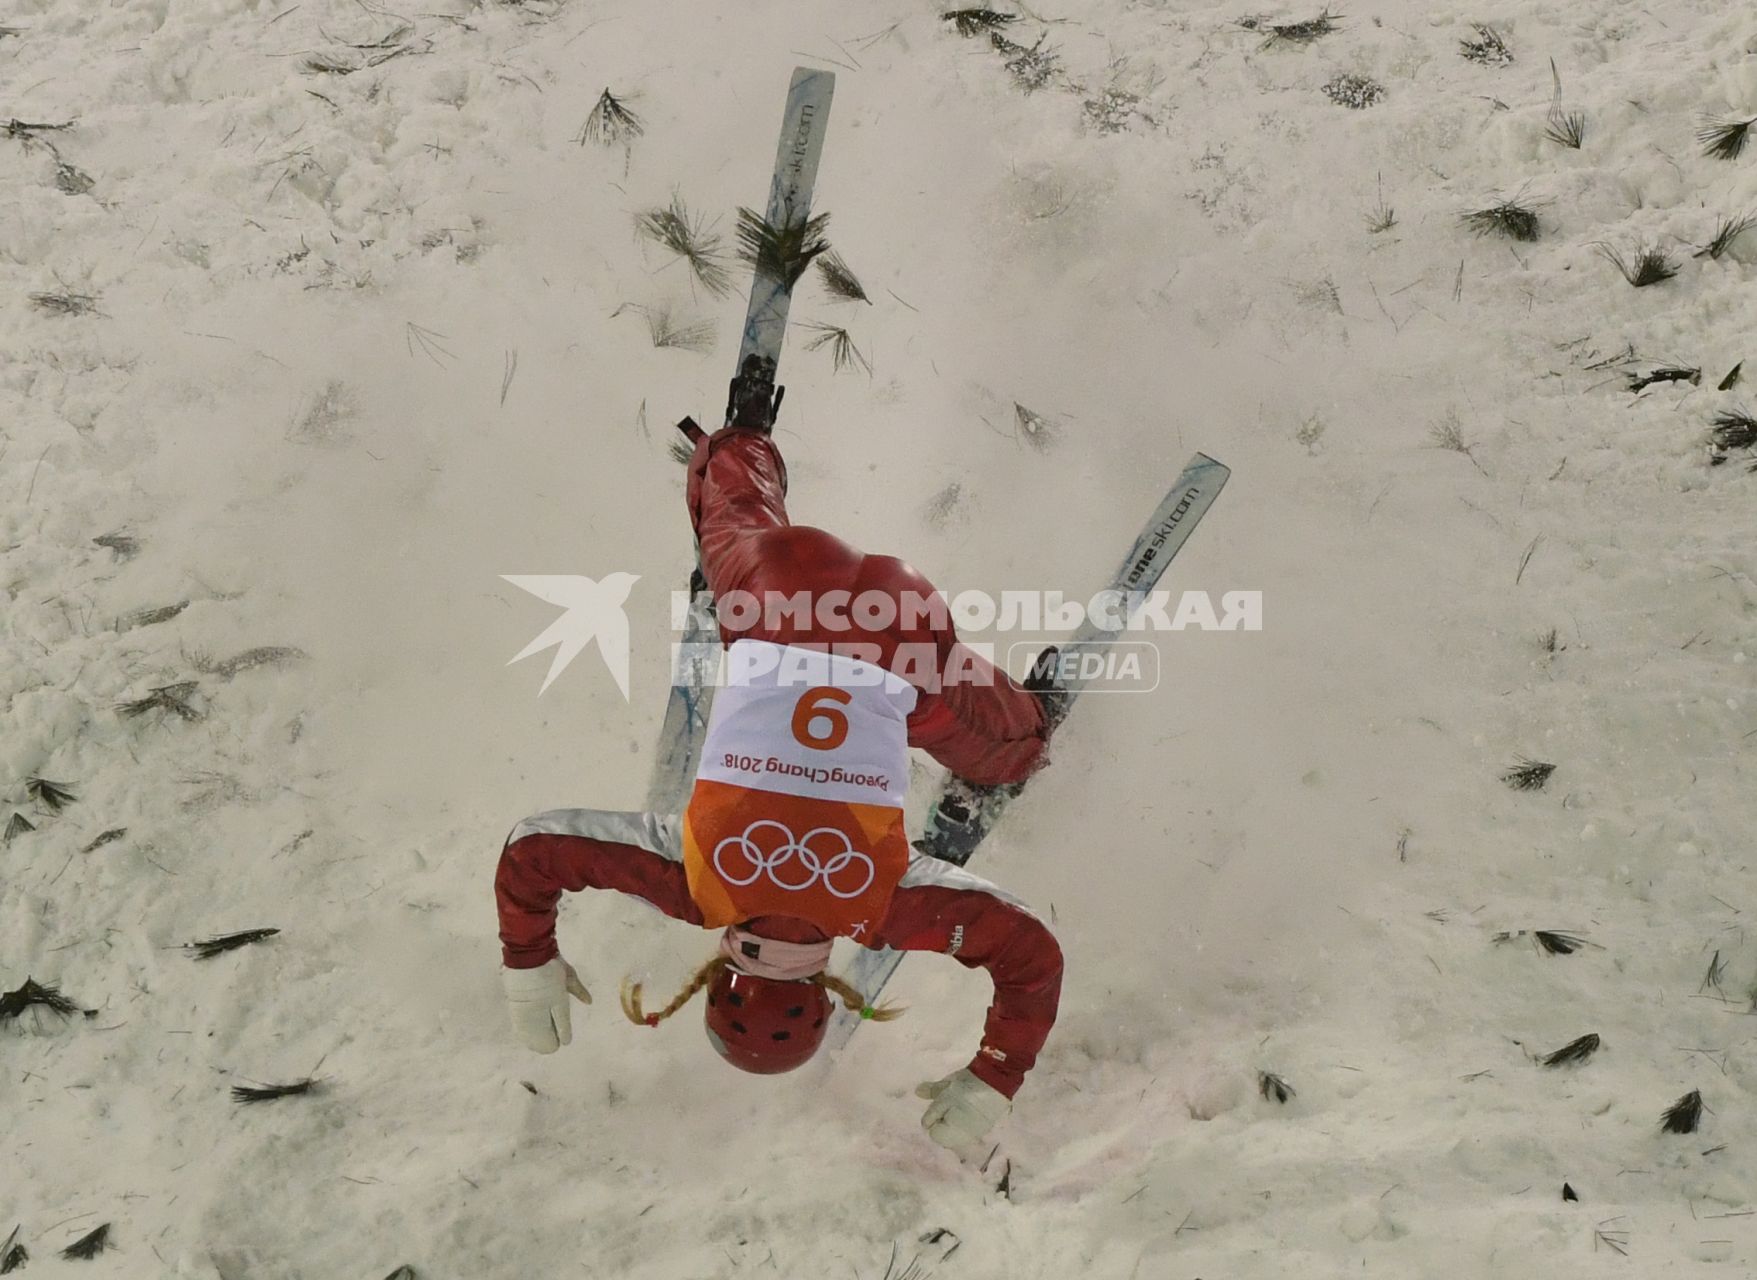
x=820, y=863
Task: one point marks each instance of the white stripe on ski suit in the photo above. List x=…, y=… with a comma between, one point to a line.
x=926, y=872
x=656, y=833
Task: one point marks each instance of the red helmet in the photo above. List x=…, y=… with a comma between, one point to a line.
x=763, y=1025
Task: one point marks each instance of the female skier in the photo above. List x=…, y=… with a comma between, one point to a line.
x=793, y=835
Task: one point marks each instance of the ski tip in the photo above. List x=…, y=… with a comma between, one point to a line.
x=1213, y=466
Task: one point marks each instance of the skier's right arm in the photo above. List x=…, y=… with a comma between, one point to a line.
x=573, y=849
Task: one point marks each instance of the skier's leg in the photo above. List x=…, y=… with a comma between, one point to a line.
x=970, y=715
x=980, y=724
x=737, y=487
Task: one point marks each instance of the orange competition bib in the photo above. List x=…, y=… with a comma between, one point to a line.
x=797, y=808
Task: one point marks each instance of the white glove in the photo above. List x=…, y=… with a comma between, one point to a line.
x=963, y=1110
x=537, y=1000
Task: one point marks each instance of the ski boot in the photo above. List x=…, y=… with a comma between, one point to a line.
x=753, y=400
x=1041, y=681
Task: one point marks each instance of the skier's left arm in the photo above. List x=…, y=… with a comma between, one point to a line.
x=941, y=907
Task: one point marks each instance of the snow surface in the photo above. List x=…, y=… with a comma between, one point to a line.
x=295, y=394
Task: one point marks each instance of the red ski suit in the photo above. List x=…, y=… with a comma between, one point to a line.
x=989, y=730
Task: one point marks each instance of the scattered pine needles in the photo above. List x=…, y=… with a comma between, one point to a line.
x=248, y=1094
x=1683, y=1115
x=612, y=123
x=1551, y=942
x=781, y=252
x=53, y=795
x=66, y=303
x=121, y=546
x=689, y=238
x=944, y=507
x=173, y=698
x=1301, y=33
x=404, y=1272
x=150, y=616
x=1566, y=129
x=1573, y=1053
x=1725, y=232
x=90, y=1245
x=1724, y=139
x=108, y=837
x=16, y=826
x=26, y=131
x=1665, y=373
x=1273, y=1086
x=1112, y=109
x=1033, y=428
x=1382, y=217
x=914, y=1269
x=1508, y=218
x=668, y=331
x=208, y=948
x=1031, y=68
x=328, y=64
x=1649, y=265
x=838, y=280
x=1554, y=943
x=1354, y=91
x=1528, y=775
x=1734, y=429
x=71, y=180
x=1715, y=976
x=1448, y=434
x=13, y=1003
x=842, y=349
x=394, y=44
x=267, y=655
x=13, y=1254
x=973, y=22
x=1489, y=48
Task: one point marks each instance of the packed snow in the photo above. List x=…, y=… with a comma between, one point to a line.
x=324, y=316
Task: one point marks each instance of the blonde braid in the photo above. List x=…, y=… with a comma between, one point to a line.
x=854, y=1001
x=631, y=994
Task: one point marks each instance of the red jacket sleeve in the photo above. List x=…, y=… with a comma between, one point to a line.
x=940, y=907
x=574, y=849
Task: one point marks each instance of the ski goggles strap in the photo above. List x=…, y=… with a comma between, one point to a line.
x=768, y=958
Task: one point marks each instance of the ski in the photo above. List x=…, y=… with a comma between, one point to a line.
x=759, y=355
x=962, y=814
